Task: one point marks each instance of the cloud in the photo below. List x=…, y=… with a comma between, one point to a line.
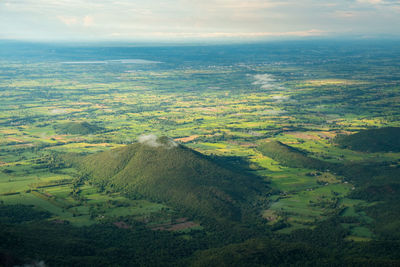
x=153, y=141
x=69, y=21
x=380, y=2
x=210, y=35
x=266, y=81
x=345, y=14
x=85, y=21
x=370, y=1
x=88, y=21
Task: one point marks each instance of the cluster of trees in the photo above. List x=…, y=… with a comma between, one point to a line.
x=29, y=239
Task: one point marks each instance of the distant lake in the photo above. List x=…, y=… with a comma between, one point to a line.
x=116, y=61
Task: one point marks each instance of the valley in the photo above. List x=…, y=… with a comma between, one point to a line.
x=211, y=148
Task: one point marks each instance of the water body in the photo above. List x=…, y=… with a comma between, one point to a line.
x=115, y=61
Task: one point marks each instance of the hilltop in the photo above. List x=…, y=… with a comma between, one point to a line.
x=162, y=170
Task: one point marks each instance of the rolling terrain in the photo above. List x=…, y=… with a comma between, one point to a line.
x=279, y=154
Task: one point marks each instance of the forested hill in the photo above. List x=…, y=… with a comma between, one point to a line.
x=164, y=171
x=385, y=139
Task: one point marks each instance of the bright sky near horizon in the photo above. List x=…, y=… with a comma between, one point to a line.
x=182, y=20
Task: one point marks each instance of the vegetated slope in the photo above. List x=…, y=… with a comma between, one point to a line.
x=322, y=246
x=173, y=174
x=63, y=245
x=257, y=252
x=290, y=156
x=373, y=140
x=77, y=128
x=379, y=183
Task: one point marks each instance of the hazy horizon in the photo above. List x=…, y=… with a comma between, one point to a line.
x=183, y=21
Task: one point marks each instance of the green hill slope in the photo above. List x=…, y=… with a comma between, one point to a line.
x=374, y=140
x=77, y=128
x=291, y=157
x=164, y=171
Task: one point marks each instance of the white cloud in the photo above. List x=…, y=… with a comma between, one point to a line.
x=88, y=21
x=85, y=21
x=306, y=33
x=370, y=1
x=380, y=2
x=345, y=14
x=69, y=21
x=153, y=141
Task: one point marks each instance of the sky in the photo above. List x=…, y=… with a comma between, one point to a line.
x=194, y=20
